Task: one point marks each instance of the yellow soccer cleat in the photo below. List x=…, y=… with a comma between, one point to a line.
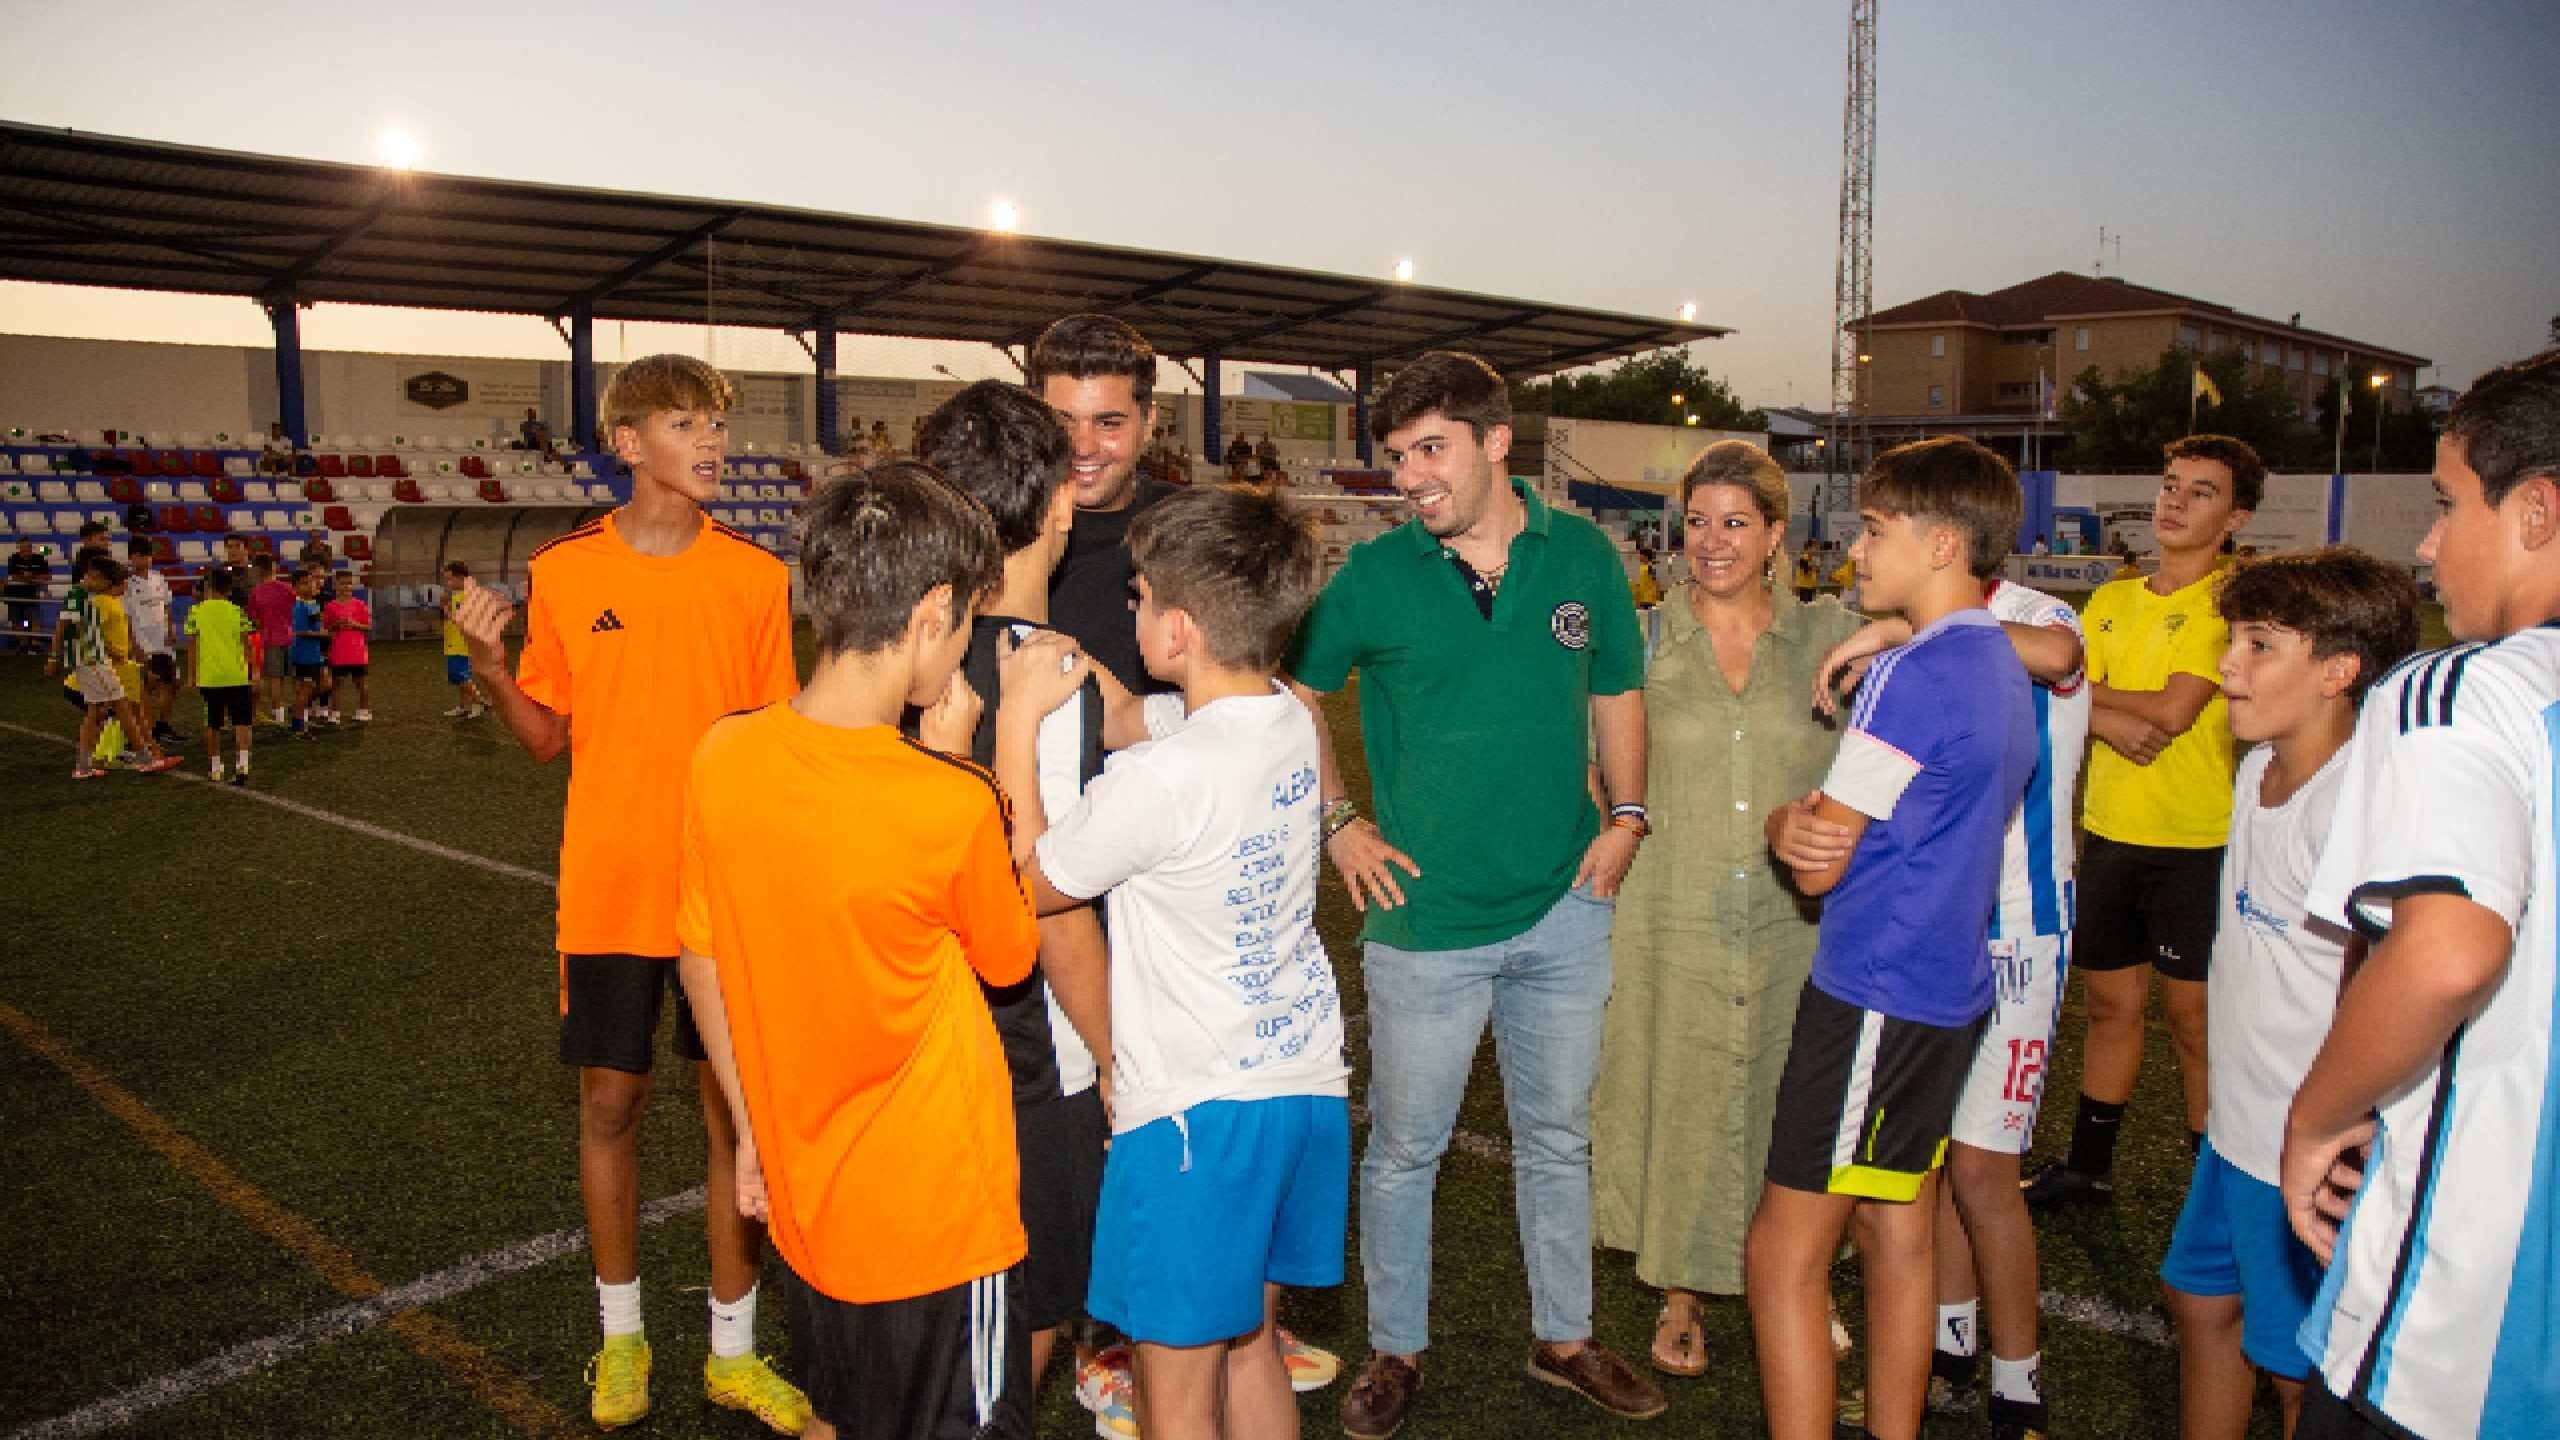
x=620, y=1375
x=748, y=1383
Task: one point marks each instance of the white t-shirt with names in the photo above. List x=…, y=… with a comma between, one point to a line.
x=2273, y=986
x=146, y=608
x=1208, y=839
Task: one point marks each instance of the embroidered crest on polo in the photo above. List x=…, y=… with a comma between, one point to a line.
x=1571, y=623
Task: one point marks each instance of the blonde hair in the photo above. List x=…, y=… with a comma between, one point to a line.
x=1745, y=466
x=662, y=382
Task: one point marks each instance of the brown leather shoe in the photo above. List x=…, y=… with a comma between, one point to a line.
x=1375, y=1407
x=1599, y=1377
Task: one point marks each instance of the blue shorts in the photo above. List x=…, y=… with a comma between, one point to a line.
x=457, y=669
x=1200, y=1211
x=2233, y=1239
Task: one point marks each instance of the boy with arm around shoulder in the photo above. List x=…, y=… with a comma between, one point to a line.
x=1939, y=749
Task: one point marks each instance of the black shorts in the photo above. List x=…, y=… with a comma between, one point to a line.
x=609, y=1012
x=2147, y=905
x=312, y=674
x=349, y=672
x=952, y=1365
x=2326, y=1417
x=1866, y=1101
x=161, y=666
x=228, y=705
x=1061, y=1144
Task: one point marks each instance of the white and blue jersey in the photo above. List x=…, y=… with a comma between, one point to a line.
x=1940, y=746
x=1207, y=838
x=2441, y=1313
x=2038, y=859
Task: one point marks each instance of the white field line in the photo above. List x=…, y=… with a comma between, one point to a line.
x=263, y=1354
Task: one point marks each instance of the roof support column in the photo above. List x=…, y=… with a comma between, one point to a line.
x=1363, y=380
x=1212, y=444
x=822, y=349
x=582, y=377
x=284, y=313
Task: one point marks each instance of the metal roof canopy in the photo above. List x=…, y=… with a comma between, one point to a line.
x=82, y=209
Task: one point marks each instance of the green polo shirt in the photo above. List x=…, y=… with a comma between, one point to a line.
x=1478, y=732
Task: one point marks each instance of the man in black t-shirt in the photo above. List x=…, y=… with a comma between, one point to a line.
x=1100, y=376
x=29, y=573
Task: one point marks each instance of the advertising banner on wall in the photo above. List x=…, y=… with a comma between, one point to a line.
x=472, y=389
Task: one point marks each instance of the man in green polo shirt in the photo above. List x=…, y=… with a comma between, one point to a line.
x=1498, y=652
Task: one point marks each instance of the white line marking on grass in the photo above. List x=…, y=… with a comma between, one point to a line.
x=264, y=1354
x=328, y=817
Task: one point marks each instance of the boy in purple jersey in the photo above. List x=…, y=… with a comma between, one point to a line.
x=1936, y=758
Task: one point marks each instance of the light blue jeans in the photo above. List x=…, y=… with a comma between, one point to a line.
x=1544, y=991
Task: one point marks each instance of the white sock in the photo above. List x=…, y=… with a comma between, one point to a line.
x=244, y=762
x=733, y=1326
x=620, y=1305
x=2019, y=1380
x=1959, y=1327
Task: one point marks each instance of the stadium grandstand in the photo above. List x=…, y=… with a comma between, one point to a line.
x=85, y=209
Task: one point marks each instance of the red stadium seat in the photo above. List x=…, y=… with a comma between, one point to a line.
x=123, y=489
x=162, y=552
x=138, y=462
x=333, y=466
x=223, y=488
x=359, y=548
x=493, y=492
x=207, y=464
x=177, y=520
x=388, y=467
x=475, y=467
x=209, y=519
x=360, y=466
x=260, y=545
x=338, y=517
x=407, y=493
x=174, y=464
x=318, y=491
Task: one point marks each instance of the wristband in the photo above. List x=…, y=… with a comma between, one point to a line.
x=1631, y=807
x=1337, y=814
x=1634, y=824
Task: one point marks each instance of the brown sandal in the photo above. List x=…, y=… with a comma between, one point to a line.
x=1688, y=1358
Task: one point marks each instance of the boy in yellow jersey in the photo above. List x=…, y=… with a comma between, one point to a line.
x=645, y=627
x=468, y=702
x=2157, y=806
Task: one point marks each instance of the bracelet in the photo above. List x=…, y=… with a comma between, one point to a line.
x=1635, y=824
x=1337, y=814
x=1631, y=807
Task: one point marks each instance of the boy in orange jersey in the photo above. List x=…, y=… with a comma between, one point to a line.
x=846, y=891
x=645, y=626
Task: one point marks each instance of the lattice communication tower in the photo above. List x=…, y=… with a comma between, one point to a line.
x=1854, y=287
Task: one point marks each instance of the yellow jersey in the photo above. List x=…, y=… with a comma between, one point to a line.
x=2137, y=640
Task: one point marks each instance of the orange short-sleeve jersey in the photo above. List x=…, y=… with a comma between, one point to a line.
x=643, y=653
x=854, y=888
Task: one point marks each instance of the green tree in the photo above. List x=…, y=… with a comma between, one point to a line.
x=2122, y=423
x=1640, y=388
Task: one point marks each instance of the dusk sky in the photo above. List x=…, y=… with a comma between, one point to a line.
x=2385, y=169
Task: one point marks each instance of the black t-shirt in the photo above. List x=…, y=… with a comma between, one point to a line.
x=1089, y=596
x=28, y=574
x=1020, y=1010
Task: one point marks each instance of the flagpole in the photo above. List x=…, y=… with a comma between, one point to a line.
x=2195, y=367
x=2339, y=467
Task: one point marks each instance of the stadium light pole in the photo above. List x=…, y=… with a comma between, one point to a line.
x=1404, y=269
x=2377, y=380
x=399, y=149
x=1004, y=217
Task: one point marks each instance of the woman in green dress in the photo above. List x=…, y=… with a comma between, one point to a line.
x=1711, y=945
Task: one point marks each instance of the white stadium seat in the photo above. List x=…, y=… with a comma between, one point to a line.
x=257, y=491
x=88, y=490
x=193, y=492
x=53, y=492
x=306, y=519
x=238, y=466
x=274, y=520
x=68, y=522
x=160, y=490
x=194, y=551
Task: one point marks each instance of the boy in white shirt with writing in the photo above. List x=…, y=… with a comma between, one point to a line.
x=1230, y=1167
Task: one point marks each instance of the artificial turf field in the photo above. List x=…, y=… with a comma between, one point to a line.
x=285, y=1149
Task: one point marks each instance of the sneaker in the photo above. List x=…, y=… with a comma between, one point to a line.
x=1107, y=1385
x=1599, y=1377
x=1380, y=1395
x=165, y=762
x=456, y=713
x=219, y=774
x=476, y=712
x=240, y=776
x=167, y=735
x=2017, y=1419
x=749, y=1383
x=87, y=772
x=1309, y=1367
x=277, y=716
x=620, y=1375
x=365, y=717
x=2058, y=1185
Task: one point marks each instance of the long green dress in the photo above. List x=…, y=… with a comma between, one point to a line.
x=1710, y=947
